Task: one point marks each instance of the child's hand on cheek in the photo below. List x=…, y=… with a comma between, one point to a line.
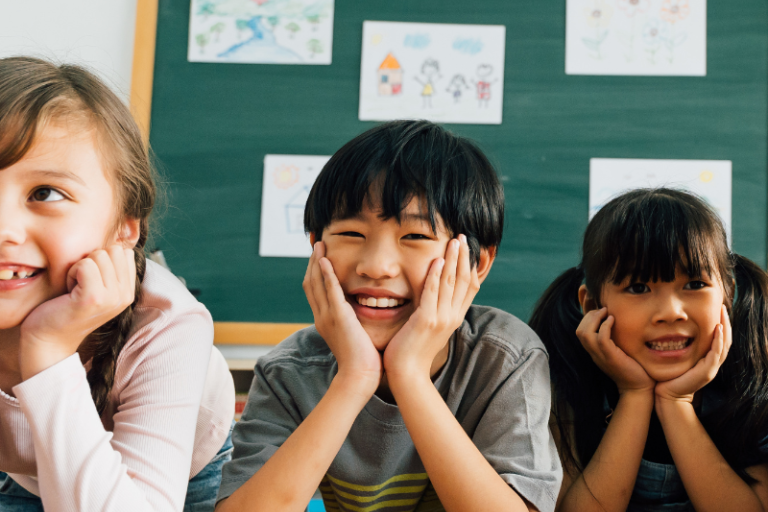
x=595, y=336
x=99, y=288
x=683, y=387
x=337, y=323
x=449, y=289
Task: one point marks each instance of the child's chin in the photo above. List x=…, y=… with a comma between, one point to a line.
x=669, y=373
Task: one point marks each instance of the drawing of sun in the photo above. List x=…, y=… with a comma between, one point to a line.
x=706, y=176
x=286, y=176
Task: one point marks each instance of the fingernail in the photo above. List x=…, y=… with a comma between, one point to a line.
x=455, y=244
x=463, y=238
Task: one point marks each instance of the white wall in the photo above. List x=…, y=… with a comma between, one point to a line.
x=94, y=33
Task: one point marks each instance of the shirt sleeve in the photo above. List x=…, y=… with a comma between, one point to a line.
x=144, y=463
x=268, y=419
x=514, y=434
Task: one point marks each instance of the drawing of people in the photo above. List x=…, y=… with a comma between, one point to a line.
x=431, y=71
x=458, y=83
x=483, y=84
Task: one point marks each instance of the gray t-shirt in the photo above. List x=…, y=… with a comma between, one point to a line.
x=496, y=383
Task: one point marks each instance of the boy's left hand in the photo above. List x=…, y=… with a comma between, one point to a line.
x=449, y=289
x=683, y=387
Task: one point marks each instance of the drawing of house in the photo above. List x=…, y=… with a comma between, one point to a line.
x=294, y=211
x=390, y=77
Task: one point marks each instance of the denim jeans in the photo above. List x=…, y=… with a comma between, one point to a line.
x=201, y=491
x=658, y=488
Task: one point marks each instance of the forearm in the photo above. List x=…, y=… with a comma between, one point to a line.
x=291, y=476
x=710, y=482
x=608, y=479
x=461, y=476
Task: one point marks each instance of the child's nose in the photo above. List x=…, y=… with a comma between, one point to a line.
x=11, y=226
x=670, y=308
x=378, y=263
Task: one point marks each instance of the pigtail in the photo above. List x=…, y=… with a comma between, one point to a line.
x=744, y=375
x=579, y=387
x=109, y=339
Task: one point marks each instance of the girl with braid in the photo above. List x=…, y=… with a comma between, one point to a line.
x=658, y=353
x=112, y=396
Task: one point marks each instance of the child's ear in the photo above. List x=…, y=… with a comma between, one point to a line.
x=485, y=262
x=588, y=303
x=129, y=233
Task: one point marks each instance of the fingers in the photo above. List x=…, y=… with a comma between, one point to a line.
x=725, y=321
x=429, y=296
x=591, y=323
x=448, y=278
x=335, y=295
x=317, y=284
x=466, y=276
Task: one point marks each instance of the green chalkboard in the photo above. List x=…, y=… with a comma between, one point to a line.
x=212, y=124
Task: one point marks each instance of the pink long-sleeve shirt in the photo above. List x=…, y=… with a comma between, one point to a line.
x=168, y=414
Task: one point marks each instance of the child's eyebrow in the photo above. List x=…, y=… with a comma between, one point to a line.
x=415, y=217
x=66, y=175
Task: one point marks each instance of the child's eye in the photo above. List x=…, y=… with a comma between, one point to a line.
x=695, y=285
x=46, y=194
x=351, y=233
x=416, y=236
x=637, y=288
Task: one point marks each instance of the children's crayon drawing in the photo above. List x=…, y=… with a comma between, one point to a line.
x=708, y=179
x=287, y=182
x=261, y=31
x=636, y=37
x=444, y=73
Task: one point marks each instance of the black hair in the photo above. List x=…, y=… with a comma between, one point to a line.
x=647, y=235
x=402, y=160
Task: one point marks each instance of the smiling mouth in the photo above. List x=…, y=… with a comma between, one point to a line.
x=379, y=302
x=11, y=275
x=667, y=345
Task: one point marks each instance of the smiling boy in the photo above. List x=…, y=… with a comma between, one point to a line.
x=402, y=396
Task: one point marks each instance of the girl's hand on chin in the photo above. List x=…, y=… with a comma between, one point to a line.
x=595, y=337
x=100, y=287
x=683, y=387
x=337, y=323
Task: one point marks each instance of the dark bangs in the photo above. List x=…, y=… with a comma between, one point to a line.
x=648, y=234
x=393, y=163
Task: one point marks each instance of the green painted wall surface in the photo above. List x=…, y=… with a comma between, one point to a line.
x=212, y=124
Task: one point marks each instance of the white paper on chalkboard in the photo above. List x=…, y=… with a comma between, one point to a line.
x=440, y=72
x=287, y=182
x=636, y=37
x=708, y=179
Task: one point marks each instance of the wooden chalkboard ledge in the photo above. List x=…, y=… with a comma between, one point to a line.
x=246, y=333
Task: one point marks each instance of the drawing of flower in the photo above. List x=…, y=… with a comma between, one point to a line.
x=655, y=32
x=632, y=7
x=599, y=14
x=286, y=176
x=674, y=10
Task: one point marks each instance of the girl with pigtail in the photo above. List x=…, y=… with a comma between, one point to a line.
x=658, y=347
x=111, y=394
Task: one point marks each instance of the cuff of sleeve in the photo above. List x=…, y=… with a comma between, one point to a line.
x=538, y=492
x=65, y=376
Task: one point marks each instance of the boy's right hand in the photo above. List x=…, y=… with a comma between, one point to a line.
x=595, y=336
x=337, y=323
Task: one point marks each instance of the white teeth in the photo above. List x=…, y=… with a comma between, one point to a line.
x=22, y=274
x=664, y=346
x=5, y=275
x=382, y=302
x=8, y=274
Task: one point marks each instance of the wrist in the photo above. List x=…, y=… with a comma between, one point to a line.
x=358, y=385
x=38, y=354
x=667, y=407
x=637, y=397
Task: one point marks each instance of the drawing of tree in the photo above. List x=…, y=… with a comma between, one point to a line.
x=241, y=26
x=314, y=20
x=206, y=10
x=314, y=46
x=217, y=29
x=292, y=27
x=273, y=21
x=202, y=40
